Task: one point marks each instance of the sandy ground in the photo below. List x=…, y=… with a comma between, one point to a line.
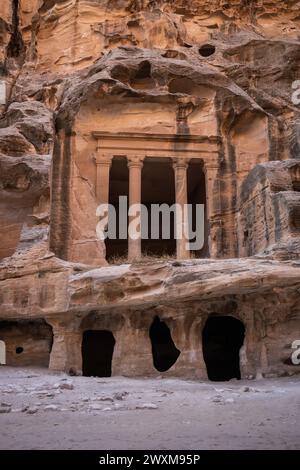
x=44, y=410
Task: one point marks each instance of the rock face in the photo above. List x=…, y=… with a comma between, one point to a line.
x=102, y=99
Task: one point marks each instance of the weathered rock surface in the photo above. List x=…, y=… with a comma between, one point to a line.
x=263, y=293
x=26, y=133
x=211, y=81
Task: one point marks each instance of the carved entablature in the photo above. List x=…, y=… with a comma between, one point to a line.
x=159, y=145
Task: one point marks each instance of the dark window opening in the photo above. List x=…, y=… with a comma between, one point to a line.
x=164, y=351
x=117, y=248
x=144, y=71
x=207, y=50
x=19, y=350
x=143, y=79
x=222, y=339
x=158, y=187
x=97, y=353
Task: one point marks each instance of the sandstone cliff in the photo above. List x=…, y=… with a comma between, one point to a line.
x=216, y=69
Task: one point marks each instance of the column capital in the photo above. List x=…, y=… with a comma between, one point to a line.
x=104, y=159
x=136, y=161
x=180, y=163
x=210, y=168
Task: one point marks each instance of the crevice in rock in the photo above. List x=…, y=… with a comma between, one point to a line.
x=16, y=47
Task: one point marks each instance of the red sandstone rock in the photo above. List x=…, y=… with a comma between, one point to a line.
x=203, y=86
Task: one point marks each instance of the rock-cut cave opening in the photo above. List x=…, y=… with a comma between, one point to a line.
x=164, y=351
x=222, y=339
x=97, y=353
x=207, y=50
x=26, y=342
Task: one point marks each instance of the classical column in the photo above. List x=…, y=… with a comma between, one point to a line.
x=212, y=207
x=135, y=165
x=103, y=164
x=180, y=166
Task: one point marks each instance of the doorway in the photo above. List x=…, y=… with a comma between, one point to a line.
x=97, y=353
x=222, y=339
x=164, y=351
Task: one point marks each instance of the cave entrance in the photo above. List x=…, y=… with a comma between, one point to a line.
x=2, y=353
x=97, y=352
x=164, y=351
x=222, y=339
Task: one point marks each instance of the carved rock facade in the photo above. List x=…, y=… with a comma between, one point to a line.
x=163, y=102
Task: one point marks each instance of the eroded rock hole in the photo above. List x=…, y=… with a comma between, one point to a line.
x=207, y=50
x=164, y=351
x=144, y=71
x=97, y=353
x=143, y=78
x=222, y=339
x=182, y=85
